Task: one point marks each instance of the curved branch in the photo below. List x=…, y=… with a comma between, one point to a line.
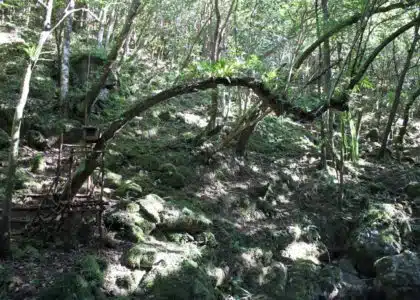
x=345, y=23
x=278, y=103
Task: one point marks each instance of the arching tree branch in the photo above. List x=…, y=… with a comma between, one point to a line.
x=278, y=103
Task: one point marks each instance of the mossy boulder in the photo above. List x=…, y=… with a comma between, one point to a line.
x=130, y=281
x=185, y=220
x=307, y=281
x=139, y=257
x=398, y=276
x=379, y=234
x=168, y=175
x=413, y=189
x=373, y=135
x=129, y=225
x=129, y=187
x=190, y=282
x=38, y=164
x=36, y=140
x=152, y=206
x=112, y=180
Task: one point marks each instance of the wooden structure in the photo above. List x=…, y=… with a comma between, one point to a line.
x=45, y=212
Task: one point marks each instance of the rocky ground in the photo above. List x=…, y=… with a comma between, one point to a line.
x=265, y=227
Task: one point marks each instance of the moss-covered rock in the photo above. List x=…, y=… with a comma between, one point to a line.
x=398, y=276
x=152, y=206
x=207, y=238
x=139, y=257
x=112, y=180
x=191, y=282
x=68, y=286
x=378, y=234
x=129, y=225
x=129, y=187
x=168, y=175
x=302, y=281
x=413, y=189
x=185, y=220
x=36, y=140
x=38, y=163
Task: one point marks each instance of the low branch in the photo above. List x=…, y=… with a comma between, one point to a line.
x=278, y=103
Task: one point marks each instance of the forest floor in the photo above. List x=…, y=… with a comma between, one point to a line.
x=271, y=206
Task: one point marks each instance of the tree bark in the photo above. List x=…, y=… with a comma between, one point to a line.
x=406, y=116
x=112, y=56
x=65, y=60
x=110, y=31
x=101, y=30
x=278, y=103
x=15, y=135
x=398, y=91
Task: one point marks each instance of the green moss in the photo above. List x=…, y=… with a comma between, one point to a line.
x=139, y=257
x=133, y=234
x=191, y=282
x=38, y=163
x=128, y=187
x=146, y=162
x=92, y=269
x=68, y=286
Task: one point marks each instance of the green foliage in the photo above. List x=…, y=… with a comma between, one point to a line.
x=78, y=284
x=191, y=282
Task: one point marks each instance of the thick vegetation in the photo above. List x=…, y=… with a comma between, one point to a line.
x=240, y=149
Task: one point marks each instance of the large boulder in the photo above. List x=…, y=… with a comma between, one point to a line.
x=413, y=189
x=112, y=180
x=129, y=224
x=398, y=276
x=189, y=282
x=152, y=206
x=373, y=135
x=174, y=219
x=379, y=234
x=139, y=257
x=36, y=140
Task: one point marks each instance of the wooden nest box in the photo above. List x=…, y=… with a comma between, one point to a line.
x=91, y=134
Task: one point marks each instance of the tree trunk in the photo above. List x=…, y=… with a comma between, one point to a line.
x=101, y=30
x=398, y=91
x=112, y=56
x=406, y=117
x=214, y=56
x=112, y=21
x=15, y=135
x=65, y=60
x=244, y=138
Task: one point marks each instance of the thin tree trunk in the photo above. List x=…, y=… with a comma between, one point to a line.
x=398, y=91
x=65, y=60
x=111, y=26
x=101, y=30
x=112, y=56
x=15, y=135
x=406, y=117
